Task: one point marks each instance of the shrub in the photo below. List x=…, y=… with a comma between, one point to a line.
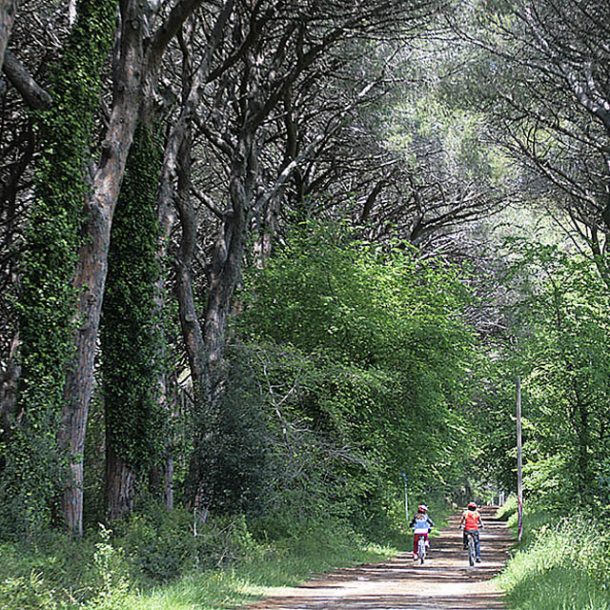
x=27, y=593
x=60, y=574
x=508, y=509
x=159, y=545
x=162, y=545
x=110, y=579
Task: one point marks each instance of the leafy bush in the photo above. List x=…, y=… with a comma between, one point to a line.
x=366, y=349
x=110, y=579
x=60, y=574
x=508, y=509
x=314, y=547
x=161, y=545
x=27, y=593
x=158, y=544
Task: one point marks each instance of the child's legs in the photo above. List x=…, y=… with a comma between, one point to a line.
x=415, y=541
x=416, y=538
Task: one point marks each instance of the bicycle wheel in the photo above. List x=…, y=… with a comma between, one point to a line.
x=421, y=550
x=471, y=550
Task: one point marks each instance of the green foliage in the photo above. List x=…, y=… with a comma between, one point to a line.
x=222, y=562
x=47, y=301
x=27, y=593
x=563, y=564
x=57, y=573
x=561, y=332
x=370, y=365
x=238, y=446
x=163, y=545
x=110, y=577
x=508, y=509
x=131, y=330
x=494, y=421
x=287, y=562
x=159, y=545
x=569, y=379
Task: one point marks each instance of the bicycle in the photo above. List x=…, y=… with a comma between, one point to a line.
x=472, y=553
x=421, y=549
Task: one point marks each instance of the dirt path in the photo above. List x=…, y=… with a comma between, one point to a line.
x=445, y=582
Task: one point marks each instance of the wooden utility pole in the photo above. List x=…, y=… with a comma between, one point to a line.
x=519, y=463
x=406, y=480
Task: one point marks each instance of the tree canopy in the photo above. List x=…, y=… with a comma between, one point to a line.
x=259, y=257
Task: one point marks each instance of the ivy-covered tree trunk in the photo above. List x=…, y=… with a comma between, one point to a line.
x=131, y=331
x=136, y=64
x=48, y=300
x=91, y=270
x=8, y=8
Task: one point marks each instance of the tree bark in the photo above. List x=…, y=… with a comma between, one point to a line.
x=207, y=351
x=90, y=278
x=8, y=387
x=189, y=321
x=228, y=253
x=134, y=71
x=33, y=94
x=163, y=475
x=120, y=486
x=178, y=164
x=8, y=9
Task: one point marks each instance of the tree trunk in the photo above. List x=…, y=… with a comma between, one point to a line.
x=131, y=334
x=8, y=387
x=136, y=72
x=90, y=278
x=33, y=94
x=192, y=333
x=120, y=486
x=228, y=253
x=53, y=234
x=163, y=474
x=267, y=231
x=72, y=13
x=224, y=274
x=92, y=266
x=8, y=9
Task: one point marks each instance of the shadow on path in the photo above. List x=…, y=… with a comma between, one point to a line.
x=445, y=582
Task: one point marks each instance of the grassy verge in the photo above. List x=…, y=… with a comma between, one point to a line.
x=156, y=563
x=253, y=579
x=288, y=563
x=562, y=564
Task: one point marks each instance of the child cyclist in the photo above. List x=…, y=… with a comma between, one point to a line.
x=421, y=525
x=472, y=523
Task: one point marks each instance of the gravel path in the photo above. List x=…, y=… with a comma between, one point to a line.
x=445, y=582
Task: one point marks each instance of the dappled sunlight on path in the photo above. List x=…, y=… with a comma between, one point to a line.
x=445, y=582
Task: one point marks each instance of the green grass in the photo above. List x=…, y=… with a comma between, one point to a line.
x=562, y=564
x=252, y=580
x=224, y=567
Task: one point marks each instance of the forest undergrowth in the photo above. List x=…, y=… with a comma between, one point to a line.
x=562, y=562
x=155, y=562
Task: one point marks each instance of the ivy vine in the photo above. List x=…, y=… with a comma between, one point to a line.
x=132, y=326
x=47, y=300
